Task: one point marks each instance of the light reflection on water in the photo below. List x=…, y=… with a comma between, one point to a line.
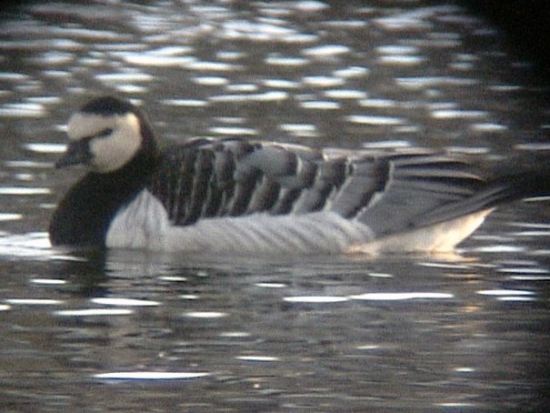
x=465, y=331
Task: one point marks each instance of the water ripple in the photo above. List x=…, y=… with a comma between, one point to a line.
x=320, y=105
x=155, y=60
x=205, y=314
x=40, y=147
x=7, y=216
x=150, y=375
x=324, y=51
x=503, y=292
x=185, y=102
x=458, y=114
x=233, y=131
x=400, y=296
x=315, y=299
x=351, y=72
x=291, y=61
x=263, y=31
x=24, y=191
x=345, y=94
x=210, y=80
x=23, y=110
x=33, y=301
x=270, y=96
x=110, y=78
x=48, y=281
x=375, y=120
x=417, y=83
x=124, y=302
x=94, y=312
x=322, y=81
x=259, y=359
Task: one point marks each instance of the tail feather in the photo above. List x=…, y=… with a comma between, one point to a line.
x=526, y=184
x=501, y=190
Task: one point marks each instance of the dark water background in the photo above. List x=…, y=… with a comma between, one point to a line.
x=131, y=331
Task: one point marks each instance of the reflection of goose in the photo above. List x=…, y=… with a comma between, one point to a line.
x=241, y=196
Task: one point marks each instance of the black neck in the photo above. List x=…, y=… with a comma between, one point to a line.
x=83, y=216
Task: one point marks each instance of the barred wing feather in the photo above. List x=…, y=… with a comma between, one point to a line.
x=389, y=192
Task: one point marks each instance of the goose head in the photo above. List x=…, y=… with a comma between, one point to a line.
x=106, y=134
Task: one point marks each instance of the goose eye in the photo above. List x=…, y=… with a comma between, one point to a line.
x=104, y=133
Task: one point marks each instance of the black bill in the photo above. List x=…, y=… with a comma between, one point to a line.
x=78, y=152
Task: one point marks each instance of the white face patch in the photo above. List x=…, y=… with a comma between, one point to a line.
x=112, y=151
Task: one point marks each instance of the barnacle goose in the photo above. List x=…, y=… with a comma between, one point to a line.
x=249, y=196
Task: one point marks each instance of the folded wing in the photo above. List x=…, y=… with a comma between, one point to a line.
x=389, y=192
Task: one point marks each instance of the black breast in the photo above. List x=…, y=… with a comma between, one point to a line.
x=83, y=216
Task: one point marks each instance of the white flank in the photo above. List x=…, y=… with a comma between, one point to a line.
x=144, y=224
